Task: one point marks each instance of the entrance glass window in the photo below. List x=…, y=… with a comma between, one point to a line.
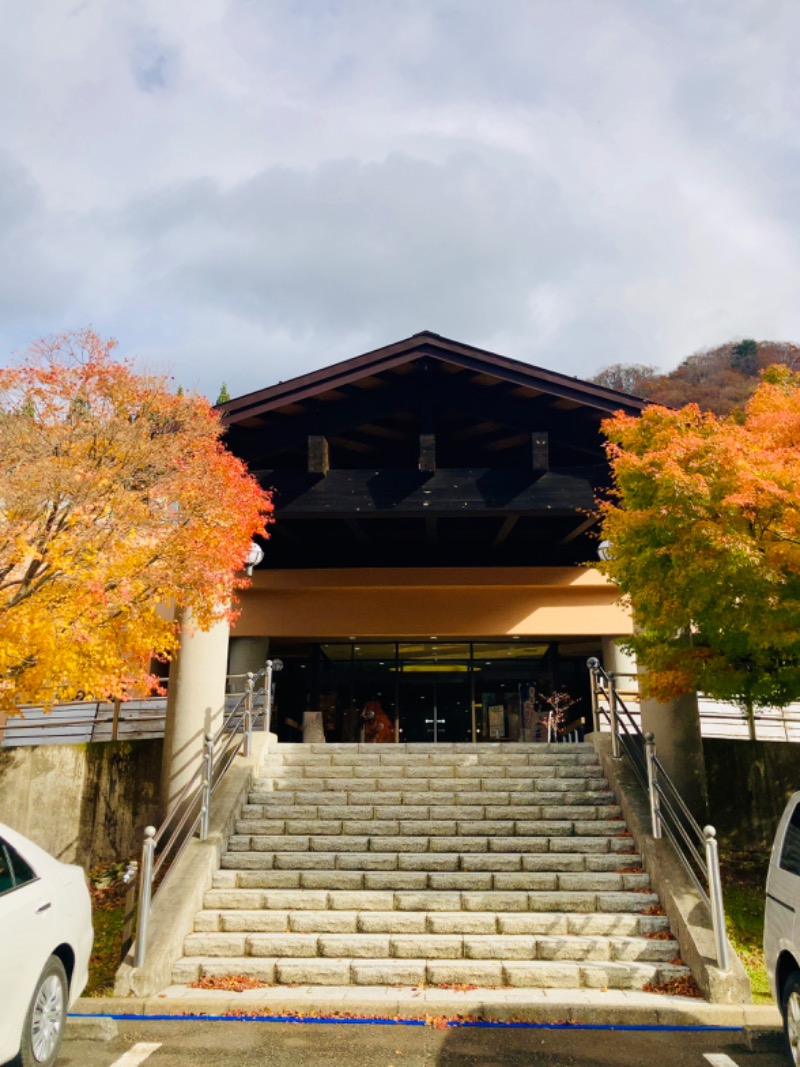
x=430, y=691
x=434, y=692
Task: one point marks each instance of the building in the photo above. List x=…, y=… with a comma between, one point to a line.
x=426, y=578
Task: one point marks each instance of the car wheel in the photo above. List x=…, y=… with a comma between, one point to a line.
x=790, y=1009
x=44, y=1023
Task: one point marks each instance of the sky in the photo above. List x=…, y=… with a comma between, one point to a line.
x=247, y=190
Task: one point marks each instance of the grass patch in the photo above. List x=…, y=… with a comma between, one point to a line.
x=108, y=915
x=744, y=876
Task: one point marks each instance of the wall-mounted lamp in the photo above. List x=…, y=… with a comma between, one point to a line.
x=255, y=554
x=605, y=551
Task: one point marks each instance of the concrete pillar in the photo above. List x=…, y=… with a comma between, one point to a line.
x=246, y=654
x=675, y=725
x=195, y=704
x=622, y=664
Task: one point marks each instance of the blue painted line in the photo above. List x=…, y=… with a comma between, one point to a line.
x=334, y=1020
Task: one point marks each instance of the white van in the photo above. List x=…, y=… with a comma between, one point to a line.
x=782, y=923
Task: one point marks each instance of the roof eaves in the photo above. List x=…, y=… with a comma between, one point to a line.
x=425, y=343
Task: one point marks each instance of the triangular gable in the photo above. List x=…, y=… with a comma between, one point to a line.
x=432, y=346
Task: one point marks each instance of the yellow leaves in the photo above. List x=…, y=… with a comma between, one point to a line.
x=108, y=509
x=705, y=522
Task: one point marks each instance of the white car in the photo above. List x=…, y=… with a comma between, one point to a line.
x=45, y=941
x=782, y=923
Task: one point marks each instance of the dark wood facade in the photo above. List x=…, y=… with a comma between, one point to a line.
x=428, y=453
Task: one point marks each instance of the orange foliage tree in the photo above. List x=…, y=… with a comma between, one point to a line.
x=117, y=499
x=705, y=527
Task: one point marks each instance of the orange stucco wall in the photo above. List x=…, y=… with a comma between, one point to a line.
x=451, y=602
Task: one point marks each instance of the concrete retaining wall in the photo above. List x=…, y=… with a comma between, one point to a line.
x=86, y=804
x=91, y=802
x=749, y=783
x=689, y=917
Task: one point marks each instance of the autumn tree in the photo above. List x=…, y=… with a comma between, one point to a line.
x=627, y=377
x=719, y=379
x=118, y=502
x=705, y=527
x=744, y=357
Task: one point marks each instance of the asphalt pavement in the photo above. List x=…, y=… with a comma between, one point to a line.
x=196, y=1043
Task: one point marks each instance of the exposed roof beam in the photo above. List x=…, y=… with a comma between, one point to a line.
x=431, y=530
x=354, y=413
x=284, y=530
x=456, y=492
x=318, y=454
x=508, y=525
x=582, y=527
x=358, y=532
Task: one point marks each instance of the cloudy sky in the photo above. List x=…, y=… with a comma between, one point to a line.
x=250, y=189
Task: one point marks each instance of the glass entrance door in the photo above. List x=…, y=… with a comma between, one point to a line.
x=434, y=709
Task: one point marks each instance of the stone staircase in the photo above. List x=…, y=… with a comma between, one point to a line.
x=442, y=865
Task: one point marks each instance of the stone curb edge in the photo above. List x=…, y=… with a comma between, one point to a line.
x=89, y=1028
x=548, y=1006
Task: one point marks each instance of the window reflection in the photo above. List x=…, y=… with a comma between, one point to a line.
x=380, y=692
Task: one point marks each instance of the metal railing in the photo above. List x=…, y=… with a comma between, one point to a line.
x=190, y=812
x=727, y=719
x=85, y=720
x=130, y=720
x=669, y=814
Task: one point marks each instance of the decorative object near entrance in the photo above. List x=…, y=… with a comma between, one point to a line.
x=378, y=727
x=552, y=716
x=497, y=722
x=313, y=731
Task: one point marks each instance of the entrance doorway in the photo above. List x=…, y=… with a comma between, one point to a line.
x=434, y=709
x=428, y=690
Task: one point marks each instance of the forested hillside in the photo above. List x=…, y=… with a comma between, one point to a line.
x=718, y=379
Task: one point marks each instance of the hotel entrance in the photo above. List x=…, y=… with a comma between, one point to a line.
x=434, y=709
x=429, y=691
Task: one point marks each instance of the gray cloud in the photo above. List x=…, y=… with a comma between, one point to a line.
x=31, y=284
x=246, y=190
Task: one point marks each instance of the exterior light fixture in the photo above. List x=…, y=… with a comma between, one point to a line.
x=255, y=554
x=605, y=551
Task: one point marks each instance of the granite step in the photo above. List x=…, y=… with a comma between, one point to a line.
x=268, y=829
x=486, y=752
x=252, y=877
x=422, y=946
x=577, y=862
x=432, y=783
x=409, y=772
x=490, y=974
x=575, y=924
x=274, y=811
x=550, y=838
x=326, y=798
x=448, y=819
x=248, y=895
x=492, y=865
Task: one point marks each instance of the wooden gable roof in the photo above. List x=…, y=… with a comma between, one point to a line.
x=428, y=452
x=435, y=347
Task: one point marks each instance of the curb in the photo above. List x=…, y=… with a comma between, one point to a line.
x=91, y=1028
x=549, y=1007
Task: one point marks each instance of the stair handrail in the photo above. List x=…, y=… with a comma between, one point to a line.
x=669, y=814
x=191, y=809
